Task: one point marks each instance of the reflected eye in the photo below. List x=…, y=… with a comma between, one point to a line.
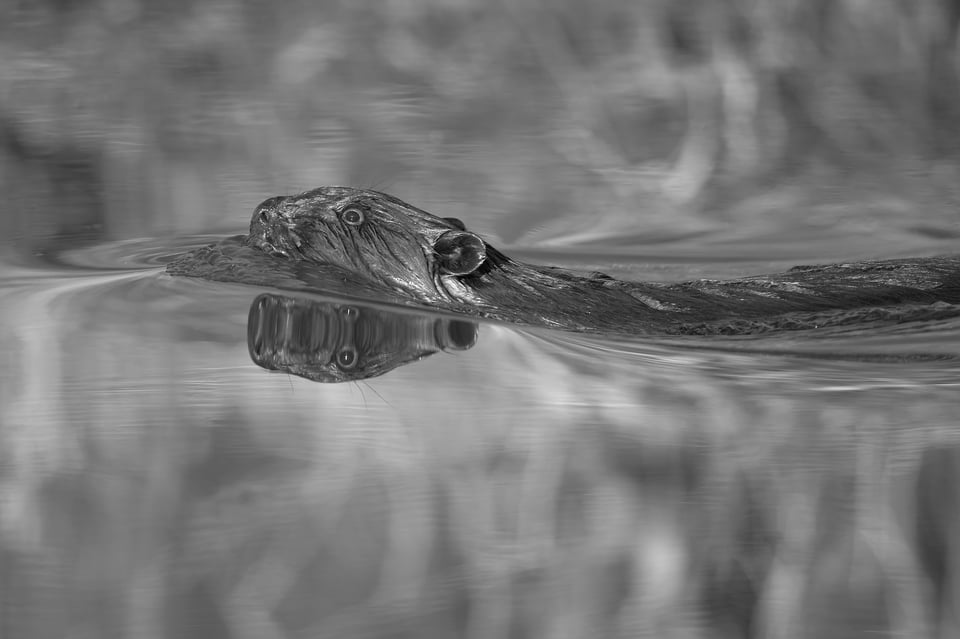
x=352, y=216
x=350, y=312
x=347, y=358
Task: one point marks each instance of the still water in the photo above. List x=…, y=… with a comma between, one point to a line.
x=179, y=460
x=171, y=468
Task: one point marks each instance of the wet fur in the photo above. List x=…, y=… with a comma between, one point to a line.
x=394, y=249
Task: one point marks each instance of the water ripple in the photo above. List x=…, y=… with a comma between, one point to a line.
x=140, y=253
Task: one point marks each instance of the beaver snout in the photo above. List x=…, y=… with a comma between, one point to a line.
x=267, y=211
x=266, y=227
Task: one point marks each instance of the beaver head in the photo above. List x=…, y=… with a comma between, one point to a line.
x=370, y=234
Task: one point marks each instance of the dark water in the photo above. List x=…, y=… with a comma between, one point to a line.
x=158, y=483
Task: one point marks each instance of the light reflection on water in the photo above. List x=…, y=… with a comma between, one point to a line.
x=157, y=482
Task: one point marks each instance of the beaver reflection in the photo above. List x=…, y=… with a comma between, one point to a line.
x=334, y=342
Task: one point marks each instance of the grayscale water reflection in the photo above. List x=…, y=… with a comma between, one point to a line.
x=157, y=482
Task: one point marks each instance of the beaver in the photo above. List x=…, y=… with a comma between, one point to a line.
x=373, y=244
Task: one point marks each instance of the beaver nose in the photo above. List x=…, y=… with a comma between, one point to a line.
x=263, y=227
x=268, y=210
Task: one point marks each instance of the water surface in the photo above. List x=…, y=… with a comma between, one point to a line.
x=157, y=482
x=490, y=482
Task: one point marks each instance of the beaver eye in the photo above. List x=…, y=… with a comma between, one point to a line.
x=347, y=358
x=352, y=216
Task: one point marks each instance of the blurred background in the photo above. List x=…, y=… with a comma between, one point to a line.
x=538, y=122
x=155, y=483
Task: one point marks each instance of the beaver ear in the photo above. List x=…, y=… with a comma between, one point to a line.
x=456, y=222
x=460, y=252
